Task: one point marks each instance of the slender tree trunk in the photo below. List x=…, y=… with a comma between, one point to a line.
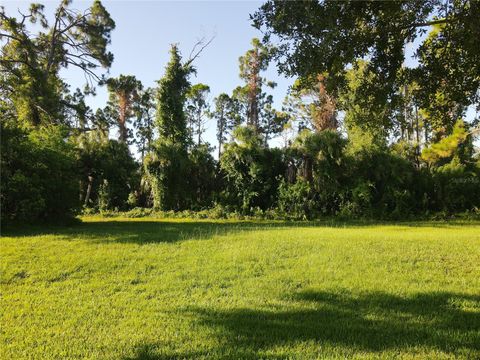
x=80, y=183
x=122, y=117
x=143, y=150
x=425, y=128
x=417, y=138
x=253, y=93
x=308, y=169
x=221, y=130
x=123, y=133
x=89, y=190
x=199, y=132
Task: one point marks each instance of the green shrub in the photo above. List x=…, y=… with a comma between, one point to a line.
x=383, y=185
x=457, y=189
x=110, y=170
x=39, y=178
x=251, y=173
x=138, y=212
x=297, y=200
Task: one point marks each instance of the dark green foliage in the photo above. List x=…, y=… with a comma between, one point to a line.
x=297, y=200
x=383, y=98
x=109, y=170
x=324, y=180
x=119, y=172
x=456, y=188
x=166, y=170
x=384, y=185
x=449, y=71
x=251, y=171
x=167, y=167
x=318, y=159
x=172, y=90
x=402, y=146
x=201, y=177
x=317, y=174
x=320, y=36
x=33, y=55
x=39, y=179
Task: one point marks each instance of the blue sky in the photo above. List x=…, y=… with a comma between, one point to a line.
x=145, y=30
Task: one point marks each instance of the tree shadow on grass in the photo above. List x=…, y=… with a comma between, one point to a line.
x=164, y=230
x=155, y=352
x=372, y=322
x=142, y=232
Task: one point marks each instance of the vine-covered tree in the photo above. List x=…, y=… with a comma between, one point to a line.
x=168, y=167
x=171, y=96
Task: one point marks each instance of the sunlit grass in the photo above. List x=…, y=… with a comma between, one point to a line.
x=159, y=289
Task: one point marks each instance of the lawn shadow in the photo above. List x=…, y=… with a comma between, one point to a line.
x=167, y=230
x=372, y=322
x=142, y=231
x=155, y=352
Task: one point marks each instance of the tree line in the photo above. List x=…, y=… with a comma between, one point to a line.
x=362, y=134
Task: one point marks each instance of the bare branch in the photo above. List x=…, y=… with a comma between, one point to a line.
x=84, y=68
x=10, y=36
x=196, y=53
x=24, y=17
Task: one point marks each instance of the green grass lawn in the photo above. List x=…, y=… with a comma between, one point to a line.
x=164, y=289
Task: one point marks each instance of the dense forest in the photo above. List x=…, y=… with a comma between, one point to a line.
x=362, y=134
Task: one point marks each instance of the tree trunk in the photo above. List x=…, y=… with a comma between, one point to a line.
x=123, y=133
x=89, y=190
x=308, y=169
x=199, y=133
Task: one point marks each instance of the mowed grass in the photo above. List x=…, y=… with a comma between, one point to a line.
x=167, y=289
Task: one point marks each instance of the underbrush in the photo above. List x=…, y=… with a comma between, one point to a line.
x=221, y=212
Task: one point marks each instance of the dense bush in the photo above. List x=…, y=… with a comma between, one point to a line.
x=201, y=177
x=166, y=171
x=323, y=165
x=251, y=172
x=108, y=174
x=297, y=200
x=384, y=185
x=315, y=177
x=119, y=173
x=457, y=188
x=39, y=177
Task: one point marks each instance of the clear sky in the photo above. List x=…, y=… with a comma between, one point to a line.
x=145, y=29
